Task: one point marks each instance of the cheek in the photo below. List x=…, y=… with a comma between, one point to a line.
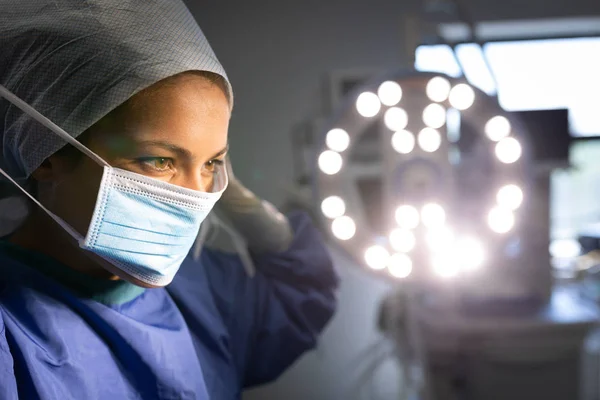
x=74, y=197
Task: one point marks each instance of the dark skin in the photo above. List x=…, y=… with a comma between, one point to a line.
x=175, y=131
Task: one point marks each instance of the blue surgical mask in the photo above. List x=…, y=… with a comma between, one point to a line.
x=142, y=227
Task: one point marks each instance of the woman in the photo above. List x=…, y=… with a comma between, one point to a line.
x=84, y=312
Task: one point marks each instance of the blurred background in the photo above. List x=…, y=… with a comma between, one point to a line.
x=293, y=64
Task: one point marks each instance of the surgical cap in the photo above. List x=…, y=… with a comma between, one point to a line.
x=75, y=61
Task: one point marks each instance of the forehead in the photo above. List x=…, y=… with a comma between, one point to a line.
x=187, y=111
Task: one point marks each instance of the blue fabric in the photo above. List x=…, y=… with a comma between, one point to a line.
x=211, y=333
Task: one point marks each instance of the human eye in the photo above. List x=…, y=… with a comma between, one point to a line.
x=156, y=164
x=213, y=165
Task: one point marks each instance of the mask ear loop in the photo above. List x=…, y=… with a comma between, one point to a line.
x=32, y=112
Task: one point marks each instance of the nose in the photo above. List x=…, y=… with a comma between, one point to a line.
x=198, y=182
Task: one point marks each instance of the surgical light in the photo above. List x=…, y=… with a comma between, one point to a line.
x=407, y=217
x=403, y=141
x=444, y=266
x=433, y=215
x=469, y=253
x=497, y=128
x=343, y=228
x=510, y=197
x=337, y=140
x=390, y=93
x=508, y=150
x=395, y=119
x=434, y=116
x=400, y=265
x=402, y=240
x=368, y=104
x=461, y=96
x=429, y=140
x=501, y=220
x=439, y=239
x=333, y=207
x=377, y=257
x=438, y=89
x=330, y=162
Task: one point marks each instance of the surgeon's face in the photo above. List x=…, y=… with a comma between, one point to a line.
x=175, y=131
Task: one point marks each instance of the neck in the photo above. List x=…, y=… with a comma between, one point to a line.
x=40, y=233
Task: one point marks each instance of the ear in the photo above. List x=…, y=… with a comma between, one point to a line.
x=44, y=172
x=51, y=170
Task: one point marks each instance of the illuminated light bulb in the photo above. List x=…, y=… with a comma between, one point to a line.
x=501, y=220
x=434, y=116
x=390, y=93
x=368, y=104
x=469, y=253
x=377, y=257
x=429, y=140
x=403, y=240
x=400, y=265
x=565, y=248
x=330, y=162
x=403, y=142
x=508, y=150
x=439, y=239
x=343, y=228
x=444, y=266
x=433, y=215
x=462, y=96
x=407, y=217
x=395, y=119
x=497, y=128
x=333, y=207
x=337, y=140
x=438, y=89
x=510, y=196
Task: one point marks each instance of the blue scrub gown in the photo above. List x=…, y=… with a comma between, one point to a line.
x=211, y=333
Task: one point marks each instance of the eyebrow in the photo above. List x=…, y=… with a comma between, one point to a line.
x=179, y=150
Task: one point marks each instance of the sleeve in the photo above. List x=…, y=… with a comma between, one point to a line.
x=8, y=383
x=277, y=315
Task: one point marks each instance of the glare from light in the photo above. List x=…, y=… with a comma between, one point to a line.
x=337, y=140
x=395, y=119
x=470, y=253
x=333, y=207
x=465, y=254
x=462, y=96
x=510, y=196
x=438, y=89
x=444, y=266
x=508, y=150
x=343, y=228
x=368, y=104
x=565, y=248
x=403, y=141
x=330, y=162
x=390, y=93
x=434, y=116
x=497, y=128
x=439, y=239
x=429, y=140
x=501, y=220
x=403, y=240
x=377, y=257
x=400, y=265
x=407, y=217
x=433, y=215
